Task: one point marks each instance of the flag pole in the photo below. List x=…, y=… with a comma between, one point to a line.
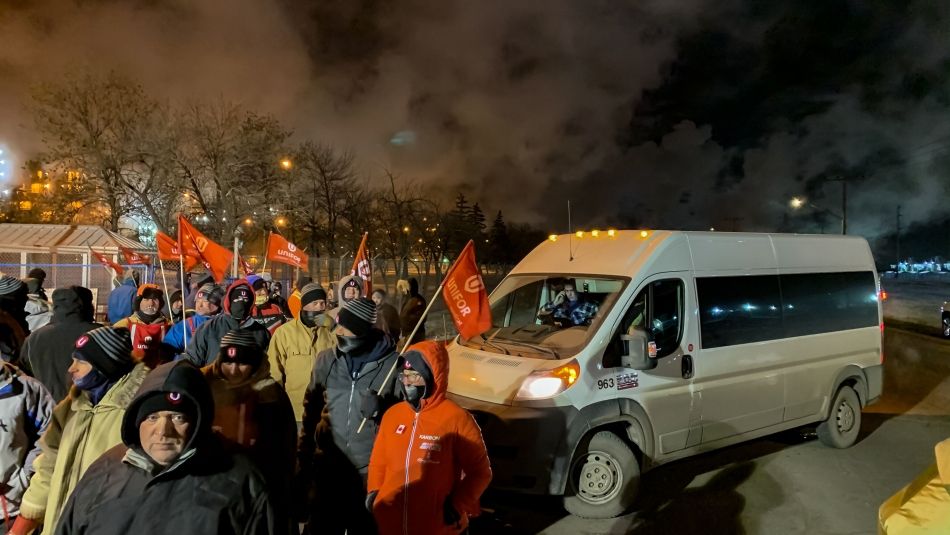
x=266, y=250
x=181, y=264
x=165, y=284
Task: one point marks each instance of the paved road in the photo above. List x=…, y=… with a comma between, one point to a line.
x=783, y=484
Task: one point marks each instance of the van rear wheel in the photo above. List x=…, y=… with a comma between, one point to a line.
x=604, y=478
x=841, y=428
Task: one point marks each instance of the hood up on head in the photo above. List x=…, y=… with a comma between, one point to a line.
x=433, y=355
x=252, y=310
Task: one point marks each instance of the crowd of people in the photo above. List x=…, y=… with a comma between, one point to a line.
x=229, y=410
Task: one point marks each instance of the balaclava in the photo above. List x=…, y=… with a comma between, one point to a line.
x=241, y=299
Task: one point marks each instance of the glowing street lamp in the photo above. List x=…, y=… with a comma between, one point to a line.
x=286, y=164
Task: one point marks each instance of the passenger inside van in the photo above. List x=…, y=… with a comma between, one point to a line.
x=568, y=308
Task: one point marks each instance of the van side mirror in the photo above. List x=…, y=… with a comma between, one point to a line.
x=636, y=352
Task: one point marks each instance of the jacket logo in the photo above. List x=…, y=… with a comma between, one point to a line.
x=401, y=429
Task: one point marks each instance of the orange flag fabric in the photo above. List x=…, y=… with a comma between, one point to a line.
x=281, y=250
x=168, y=250
x=105, y=261
x=363, y=267
x=131, y=257
x=215, y=257
x=248, y=270
x=465, y=295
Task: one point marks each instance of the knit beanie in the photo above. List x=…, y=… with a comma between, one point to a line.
x=9, y=285
x=241, y=347
x=166, y=401
x=38, y=274
x=107, y=350
x=311, y=292
x=213, y=293
x=358, y=315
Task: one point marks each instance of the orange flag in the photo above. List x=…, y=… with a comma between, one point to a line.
x=108, y=263
x=168, y=250
x=131, y=257
x=215, y=257
x=363, y=267
x=465, y=295
x=281, y=250
x=248, y=270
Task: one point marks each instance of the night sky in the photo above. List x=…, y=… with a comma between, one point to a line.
x=676, y=114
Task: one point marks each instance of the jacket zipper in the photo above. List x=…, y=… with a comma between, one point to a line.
x=405, y=490
x=349, y=410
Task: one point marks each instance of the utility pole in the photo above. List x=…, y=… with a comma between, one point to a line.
x=897, y=268
x=844, y=206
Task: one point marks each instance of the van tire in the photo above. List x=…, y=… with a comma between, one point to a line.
x=841, y=428
x=609, y=469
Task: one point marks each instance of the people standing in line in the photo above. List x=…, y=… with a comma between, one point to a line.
x=85, y=424
x=413, y=308
x=387, y=317
x=207, y=304
x=148, y=325
x=267, y=312
x=296, y=344
x=47, y=352
x=25, y=409
x=293, y=302
x=121, y=298
x=13, y=326
x=238, y=314
x=171, y=475
x=253, y=411
x=40, y=276
x=346, y=386
x=37, y=307
x=429, y=465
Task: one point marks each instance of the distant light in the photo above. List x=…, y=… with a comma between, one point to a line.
x=579, y=233
x=552, y=237
x=712, y=229
x=644, y=234
x=403, y=138
x=248, y=221
x=405, y=229
x=595, y=233
x=2, y=162
x=611, y=232
x=6, y=191
x=286, y=164
x=796, y=202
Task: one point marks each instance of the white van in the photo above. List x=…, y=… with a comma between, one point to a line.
x=677, y=343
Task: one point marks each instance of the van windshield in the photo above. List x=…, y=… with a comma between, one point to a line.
x=547, y=316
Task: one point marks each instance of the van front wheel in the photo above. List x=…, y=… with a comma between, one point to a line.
x=604, y=478
x=841, y=428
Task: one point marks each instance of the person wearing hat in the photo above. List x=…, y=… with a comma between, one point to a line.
x=121, y=298
x=387, y=317
x=252, y=410
x=296, y=344
x=348, y=289
x=193, y=282
x=346, y=386
x=416, y=482
x=277, y=297
x=37, y=308
x=170, y=473
x=268, y=313
x=47, y=352
x=207, y=304
x=293, y=302
x=148, y=325
x=176, y=308
x=13, y=326
x=40, y=276
x=86, y=423
x=238, y=314
x=413, y=307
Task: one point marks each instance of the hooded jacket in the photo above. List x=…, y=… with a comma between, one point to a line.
x=204, y=349
x=420, y=457
x=25, y=411
x=292, y=352
x=331, y=407
x=77, y=435
x=47, y=352
x=206, y=490
x=923, y=506
x=257, y=416
x=413, y=307
x=120, y=300
x=38, y=312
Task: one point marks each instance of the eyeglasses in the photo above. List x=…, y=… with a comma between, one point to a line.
x=410, y=376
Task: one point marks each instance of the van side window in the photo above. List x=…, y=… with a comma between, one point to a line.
x=739, y=310
x=657, y=309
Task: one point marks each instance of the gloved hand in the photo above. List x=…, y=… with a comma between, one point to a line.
x=370, y=404
x=371, y=499
x=23, y=526
x=450, y=516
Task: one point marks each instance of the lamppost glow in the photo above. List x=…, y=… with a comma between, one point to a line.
x=797, y=202
x=286, y=164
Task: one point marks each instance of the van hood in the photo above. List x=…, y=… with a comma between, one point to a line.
x=488, y=376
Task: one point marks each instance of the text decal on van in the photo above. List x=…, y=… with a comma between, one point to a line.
x=627, y=380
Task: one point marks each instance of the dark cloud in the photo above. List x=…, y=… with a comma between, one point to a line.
x=683, y=114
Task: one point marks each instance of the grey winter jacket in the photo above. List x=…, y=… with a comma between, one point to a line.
x=204, y=349
x=25, y=409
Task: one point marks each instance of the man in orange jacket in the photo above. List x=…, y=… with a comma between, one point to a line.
x=423, y=447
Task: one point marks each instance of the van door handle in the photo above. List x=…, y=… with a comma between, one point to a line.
x=686, y=366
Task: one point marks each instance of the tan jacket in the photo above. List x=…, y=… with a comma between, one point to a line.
x=292, y=352
x=923, y=506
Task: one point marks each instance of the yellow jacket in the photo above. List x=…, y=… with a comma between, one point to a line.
x=77, y=435
x=923, y=506
x=293, y=350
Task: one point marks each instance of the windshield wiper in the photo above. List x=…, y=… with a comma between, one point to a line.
x=536, y=347
x=488, y=342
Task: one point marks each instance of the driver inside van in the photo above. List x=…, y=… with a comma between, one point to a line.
x=568, y=308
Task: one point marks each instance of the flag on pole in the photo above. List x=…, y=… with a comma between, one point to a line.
x=248, y=270
x=105, y=261
x=281, y=250
x=216, y=258
x=465, y=295
x=168, y=250
x=131, y=257
x=363, y=267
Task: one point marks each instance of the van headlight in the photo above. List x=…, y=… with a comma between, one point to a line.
x=543, y=384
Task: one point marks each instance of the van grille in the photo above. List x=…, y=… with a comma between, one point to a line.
x=504, y=362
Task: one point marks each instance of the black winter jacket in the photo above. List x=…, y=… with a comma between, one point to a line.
x=204, y=348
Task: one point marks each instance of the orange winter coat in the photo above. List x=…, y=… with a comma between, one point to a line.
x=419, y=459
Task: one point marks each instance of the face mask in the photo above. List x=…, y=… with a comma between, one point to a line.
x=348, y=344
x=260, y=299
x=311, y=318
x=414, y=394
x=239, y=310
x=91, y=380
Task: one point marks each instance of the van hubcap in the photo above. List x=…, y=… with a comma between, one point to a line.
x=599, y=478
x=845, y=417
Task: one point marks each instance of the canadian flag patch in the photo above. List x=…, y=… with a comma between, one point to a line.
x=401, y=429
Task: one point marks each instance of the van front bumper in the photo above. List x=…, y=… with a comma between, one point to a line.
x=523, y=443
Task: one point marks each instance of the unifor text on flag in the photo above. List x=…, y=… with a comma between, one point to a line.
x=465, y=295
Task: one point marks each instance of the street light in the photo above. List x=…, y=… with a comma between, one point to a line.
x=798, y=202
x=286, y=164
